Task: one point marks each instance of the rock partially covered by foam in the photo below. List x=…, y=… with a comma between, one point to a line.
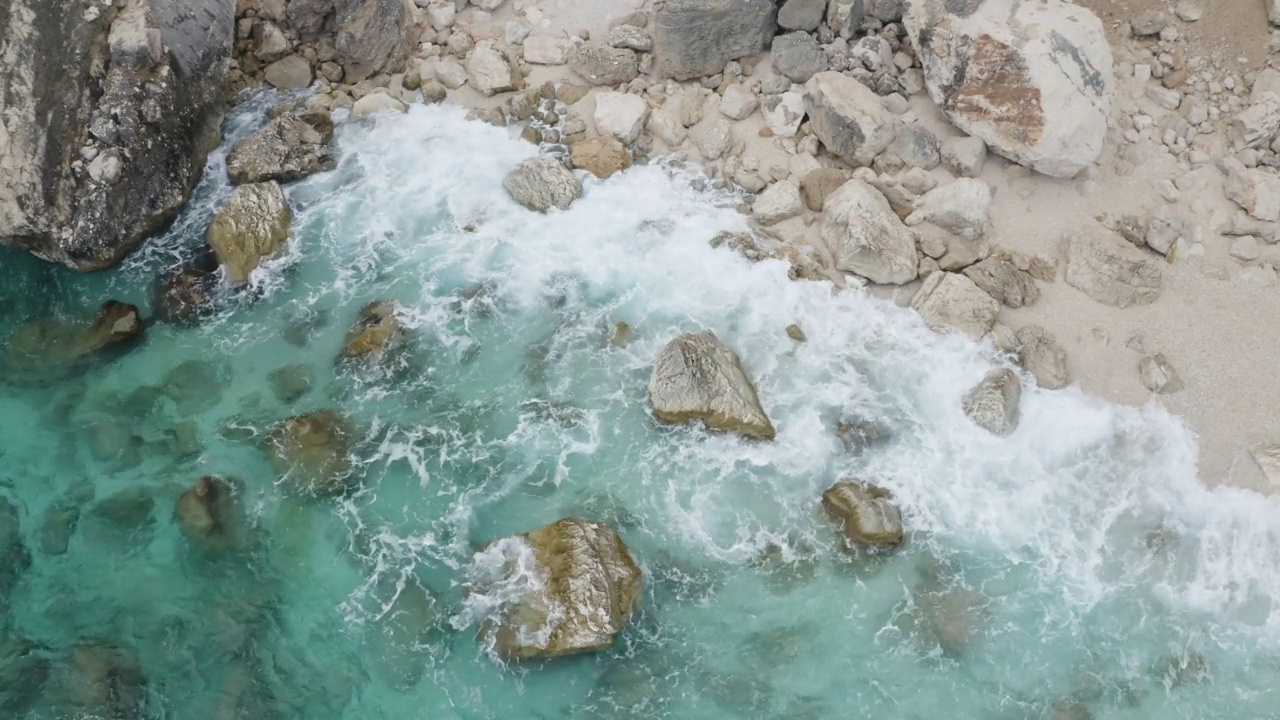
x=542, y=183
x=993, y=403
x=377, y=337
x=697, y=377
x=209, y=514
x=866, y=513
x=578, y=586
x=311, y=451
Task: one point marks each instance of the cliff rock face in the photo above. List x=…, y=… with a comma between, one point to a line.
x=107, y=113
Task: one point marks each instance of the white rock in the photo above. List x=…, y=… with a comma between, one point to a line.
x=1246, y=248
x=376, y=103
x=738, y=102
x=441, y=14
x=1267, y=456
x=1257, y=126
x=542, y=49
x=542, y=183
x=451, y=73
x=712, y=136
x=487, y=4
x=962, y=207
x=848, y=117
x=1188, y=10
x=1257, y=191
x=783, y=113
x=666, y=126
x=949, y=301
x=517, y=32
x=964, y=156
x=1164, y=97
x=620, y=115
x=490, y=71
x=779, y=202
x=866, y=237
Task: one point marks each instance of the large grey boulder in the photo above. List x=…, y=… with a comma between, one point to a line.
x=951, y=301
x=866, y=237
x=962, y=207
x=589, y=587
x=369, y=36
x=848, y=117
x=697, y=377
x=1031, y=79
x=866, y=513
x=251, y=226
x=1111, y=271
x=107, y=114
x=801, y=14
x=695, y=38
x=993, y=403
x=542, y=183
x=288, y=148
x=797, y=56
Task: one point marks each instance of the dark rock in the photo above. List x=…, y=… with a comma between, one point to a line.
x=196, y=385
x=696, y=38
x=24, y=670
x=304, y=325
x=61, y=519
x=378, y=337
x=14, y=557
x=143, y=85
x=797, y=56
x=801, y=14
x=47, y=348
x=187, y=292
x=291, y=382
x=210, y=514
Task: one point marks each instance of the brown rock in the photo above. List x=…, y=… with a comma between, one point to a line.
x=311, y=451
x=600, y=156
x=377, y=337
x=866, y=513
x=210, y=515
x=818, y=184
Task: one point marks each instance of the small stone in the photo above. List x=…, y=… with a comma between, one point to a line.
x=738, y=102
x=1164, y=97
x=780, y=202
x=631, y=38
x=795, y=333
x=964, y=156
x=1246, y=248
x=1158, y=375
x=1189, y=10
x=1148, y=23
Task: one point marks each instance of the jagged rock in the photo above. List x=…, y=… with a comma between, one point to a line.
x=1158, y=375
x=630, y=37
x=947, y=300
x=866, y=237
x=783, y=113
x=1042, y=356
x=288, y=148
x=186, y=292
x=695, y=38
x=845, y=17
x=367, y=37
x=289, y=73
x=801, y=14
x=377, y=337
x=697, y=377
x=916, y=147
x=1164, y=227
x=542, y=183
x=312, y=452
x=866, y=513
x=1254, y=190
x=849, y=118
x=588, y=586
x=144, y=81
x=620, y=115
x=1032, y=80
x=962, y=207
x=210, y=515
x=797, y=56
x=818, y=184
x=1002, y=280
x=993, y=403
x=377, y=102
x=602, y=157
x=777, y=203
x=490, y=71
x=1267, y=456
x=1110, y=272
x=251, y=226
x=604, y=65
x=48, y=348
x=964, y=156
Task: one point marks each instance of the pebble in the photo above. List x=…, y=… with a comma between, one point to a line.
x=1188, y=11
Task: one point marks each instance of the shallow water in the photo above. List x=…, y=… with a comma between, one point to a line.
x=1074, y=567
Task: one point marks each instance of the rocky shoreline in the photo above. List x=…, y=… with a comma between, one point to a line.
x=1099, y=200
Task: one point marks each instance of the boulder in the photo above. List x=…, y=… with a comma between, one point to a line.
x=251, y=226
x=783, y=113
x=1158, y=375
x=378, y=337
x=312, y=452
x=375, y=103
x=602, y=157
x=964, y=156
x=604, y=65
x=778, y=202
x=142, y=83
x=697, y=377
x=993, y=403
x=576, y=588
x=866, y=237
x=105, y=680
x=962, y=207
x=289, y=73
x=46, y=348
x=1002, y=280
x=1042, y=356
x=818, y=184
x=620, y=115
x=848, y=117
x=738, y=102
x=368, y=37
x=542, y=183
x=866, y=513
x=1033, y=80
x=947, y=300
x=803, y=15
x=288, y=148
x=1110, y=271
x=210, y=515
x=797, y=57
x=696, y=38
x=490, y=71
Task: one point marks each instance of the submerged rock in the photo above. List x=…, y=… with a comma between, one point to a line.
x=210, y=515
x=587, y=587
x=128, y=513
x=993, y=403
x=312, y=452
x=858, y=434
x=106, y=680
x=49, y=348
x=291, y=382
x=14, y=557
x=542, y=183
x=187, y=292
x=697, y=377
x=251, y=226
x=377, y=337
x=288, y=148
x=61, y=519
x=196, y=385
x=24, y=670
x=866, y=513
x=1032, y=80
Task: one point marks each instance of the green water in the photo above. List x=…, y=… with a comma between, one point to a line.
x=1075, y=567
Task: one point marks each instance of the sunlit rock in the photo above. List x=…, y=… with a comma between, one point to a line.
x=377, y=337
x=250, y=227
x=699, y=378
x=993, y=403
x=866, y=513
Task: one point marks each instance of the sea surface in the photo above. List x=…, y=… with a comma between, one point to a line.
x=1075, y=569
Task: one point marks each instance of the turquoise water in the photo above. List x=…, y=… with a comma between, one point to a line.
x=1074, y=569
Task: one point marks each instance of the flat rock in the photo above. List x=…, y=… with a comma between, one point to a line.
x=289, y=73
x=542, y=183
x=962, y=207
x=1158, y=375
x=1110, y=271
x=951, y=301
x=696, y=38
x=251, y=226
x=699, y=378
x=1002, y=280
x=848, y=117
x=866, y=237
x=866, y=512
x=778, y=202
x=620, y=115
x=604, y=65
x=286, y=149
x=993, y=403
